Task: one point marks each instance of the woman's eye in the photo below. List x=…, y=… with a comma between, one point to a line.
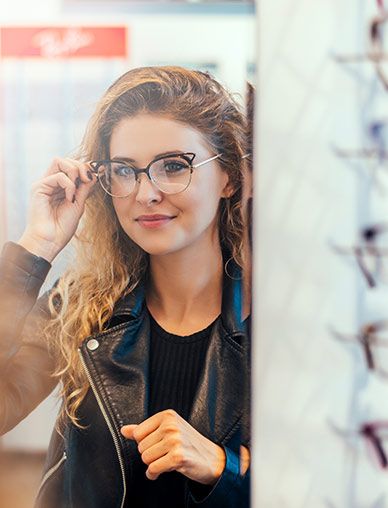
x=174, y=166
x=123, y=171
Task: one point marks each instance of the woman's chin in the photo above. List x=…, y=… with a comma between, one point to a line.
x=159, y=249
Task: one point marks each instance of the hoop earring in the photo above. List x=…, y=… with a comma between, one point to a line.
x=226, y=270
x=116, y=236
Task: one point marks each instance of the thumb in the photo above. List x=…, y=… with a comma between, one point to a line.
x=127, y=430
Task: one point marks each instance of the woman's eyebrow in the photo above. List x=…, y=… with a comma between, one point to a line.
x=128, y=159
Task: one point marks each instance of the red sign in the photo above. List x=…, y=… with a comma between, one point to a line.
x=63, y=42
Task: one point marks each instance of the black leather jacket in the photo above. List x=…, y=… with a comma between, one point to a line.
x=94, y=467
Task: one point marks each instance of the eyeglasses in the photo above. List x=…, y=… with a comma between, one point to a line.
x=371, y=253
x=376, y=33
x=374, y=155
x=375, y=435
x=170, y=173
x=377, y=53
x=369, y=162
x=374, y=345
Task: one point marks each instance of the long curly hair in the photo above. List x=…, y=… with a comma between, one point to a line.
x=108, y=264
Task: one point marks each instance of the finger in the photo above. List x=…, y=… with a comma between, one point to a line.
x=147, y=426
x=150, y=440
x=85, y=174
x=50, y=185
x=163, y=465
x=62, y=165
x=155, y=452
x=127, y=430
x=244, y=459
x=77, y=171
x=84, y=190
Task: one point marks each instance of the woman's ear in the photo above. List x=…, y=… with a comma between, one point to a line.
x=227, y=193
x=228, y=189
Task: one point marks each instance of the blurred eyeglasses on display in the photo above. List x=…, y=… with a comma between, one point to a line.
x=373, y=338
x=375, y=436
x=371, y=253
x=373, y=156
x=377, y=53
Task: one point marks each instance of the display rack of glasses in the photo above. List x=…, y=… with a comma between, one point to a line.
x=365, y=434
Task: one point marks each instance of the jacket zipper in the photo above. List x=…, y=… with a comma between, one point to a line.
x=104, y=413
x=52, y=470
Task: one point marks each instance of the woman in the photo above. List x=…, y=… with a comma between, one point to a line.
x=146, y=331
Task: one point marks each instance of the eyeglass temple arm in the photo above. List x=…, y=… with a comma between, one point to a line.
x=207, y=160
x=360, y=261
x=365, y=343
x=215, y=157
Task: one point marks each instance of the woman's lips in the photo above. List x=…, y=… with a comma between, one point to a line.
x=153, y=222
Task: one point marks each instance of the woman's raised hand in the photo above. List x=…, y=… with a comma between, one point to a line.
x=57, y=202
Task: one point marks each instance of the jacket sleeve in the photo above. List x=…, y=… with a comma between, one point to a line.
x=25, y=363
x=231, y=490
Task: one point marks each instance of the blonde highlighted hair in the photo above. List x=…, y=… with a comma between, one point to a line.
x=108, y=264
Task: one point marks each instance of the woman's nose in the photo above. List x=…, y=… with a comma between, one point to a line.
x=146, y=191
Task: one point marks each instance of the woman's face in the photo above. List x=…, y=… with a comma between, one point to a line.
x=191, y=215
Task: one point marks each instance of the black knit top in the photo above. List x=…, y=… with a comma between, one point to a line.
x=176, y=364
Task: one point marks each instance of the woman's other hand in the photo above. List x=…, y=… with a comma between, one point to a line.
x=167, y=442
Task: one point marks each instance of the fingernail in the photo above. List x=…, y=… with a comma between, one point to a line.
x=90, y=176
x=73, y=199
x=77, y=182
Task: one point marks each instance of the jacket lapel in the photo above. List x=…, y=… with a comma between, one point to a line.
x=218, y=408
x=220, y=401
x=119, y=366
